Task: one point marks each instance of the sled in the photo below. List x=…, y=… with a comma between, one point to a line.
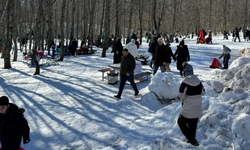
x=215, y=63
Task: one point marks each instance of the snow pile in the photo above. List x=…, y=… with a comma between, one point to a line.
x=245, y=52
x=227, y=117
x=236, y=78
x=164, y=86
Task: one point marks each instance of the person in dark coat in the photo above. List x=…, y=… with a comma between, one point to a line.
x=237, y=34
x=169, y=54
x=152, y=46
x=247, y=35
x=118, y=52
x=13, y=125
x=133, y=36
x=73, y=47
x=190, y=93
x=226, y=56
x=160, y=56
x=182, y=56
x=127, y=68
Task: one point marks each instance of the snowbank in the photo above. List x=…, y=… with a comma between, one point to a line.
x=226, y=115
x=164, y=85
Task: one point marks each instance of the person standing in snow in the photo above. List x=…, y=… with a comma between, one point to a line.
x=132, y=48
x=226, y=56
x=160, y=56
x=190, y=93
x=152, y=46
x=127, y=68
x=182, y=56
x=168, y=56
x=13, y=126
x=117, y=52
x=237, y=34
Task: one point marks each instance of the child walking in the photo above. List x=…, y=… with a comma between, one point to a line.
x=13, y=125
x=226, y=56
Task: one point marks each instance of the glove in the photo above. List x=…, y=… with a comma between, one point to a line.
x=25, y=141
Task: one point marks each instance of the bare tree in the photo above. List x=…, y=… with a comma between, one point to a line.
x=62, y=30
x=9, y=34
x=106, y=28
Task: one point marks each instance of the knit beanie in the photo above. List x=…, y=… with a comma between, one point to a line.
x=4, y=100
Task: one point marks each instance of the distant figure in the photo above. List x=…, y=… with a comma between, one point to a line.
x=226, y=56
x=225, y=35
x=190, y=93
x=247, y=35
x=118, y=52
x=237, y=34
x=127, y=72
x=13, y=126
x=152, y=46
x=181, y=55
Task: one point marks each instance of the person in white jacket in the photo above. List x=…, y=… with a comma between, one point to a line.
x=190, y=93
x=132, y=48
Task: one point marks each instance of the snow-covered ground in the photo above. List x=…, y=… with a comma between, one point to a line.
x=68, y=106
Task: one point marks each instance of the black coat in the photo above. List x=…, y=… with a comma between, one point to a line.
x=13, y=126
x=153, y=44
x=127, y=64
x=117, y=57
x=182, y=56
x=169, y=54
x=160, y=55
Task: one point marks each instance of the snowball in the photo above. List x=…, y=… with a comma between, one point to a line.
x=241, y=126
x=164, y=85
x=217, y=85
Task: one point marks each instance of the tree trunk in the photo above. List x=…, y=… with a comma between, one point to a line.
x=101, y=26
x=130, y=22
x=9, y=34
x=62, y=30
x=50, y=39
x=72, y=21
x=106, y=28
x=91, y=21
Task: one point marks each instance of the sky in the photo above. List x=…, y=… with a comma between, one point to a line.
x=68, y=106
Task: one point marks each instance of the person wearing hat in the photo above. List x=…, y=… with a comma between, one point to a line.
x=226, y=56
x=181, y=55
x=190, y=93
x=13, y=125
x=127, y=68
x=160, y=56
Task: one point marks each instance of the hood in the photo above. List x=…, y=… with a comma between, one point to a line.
x=192, y=80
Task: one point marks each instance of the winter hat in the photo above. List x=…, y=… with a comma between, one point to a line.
x=133, y=41
x=224, y=47
x=160, y=40
x=188, y=69
x=125, y=49
x=182, y=43
x=4, y=100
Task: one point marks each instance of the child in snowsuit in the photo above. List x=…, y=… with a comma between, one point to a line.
x=13, y=125
x=190, y=93
x=226, y=56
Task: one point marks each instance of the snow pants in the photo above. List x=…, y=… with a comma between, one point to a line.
x=188, y=126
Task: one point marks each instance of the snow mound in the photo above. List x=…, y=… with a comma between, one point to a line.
x=236, y=78
x=241, y=126
x=164, y=85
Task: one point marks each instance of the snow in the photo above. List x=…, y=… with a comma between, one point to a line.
x=68, y=106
